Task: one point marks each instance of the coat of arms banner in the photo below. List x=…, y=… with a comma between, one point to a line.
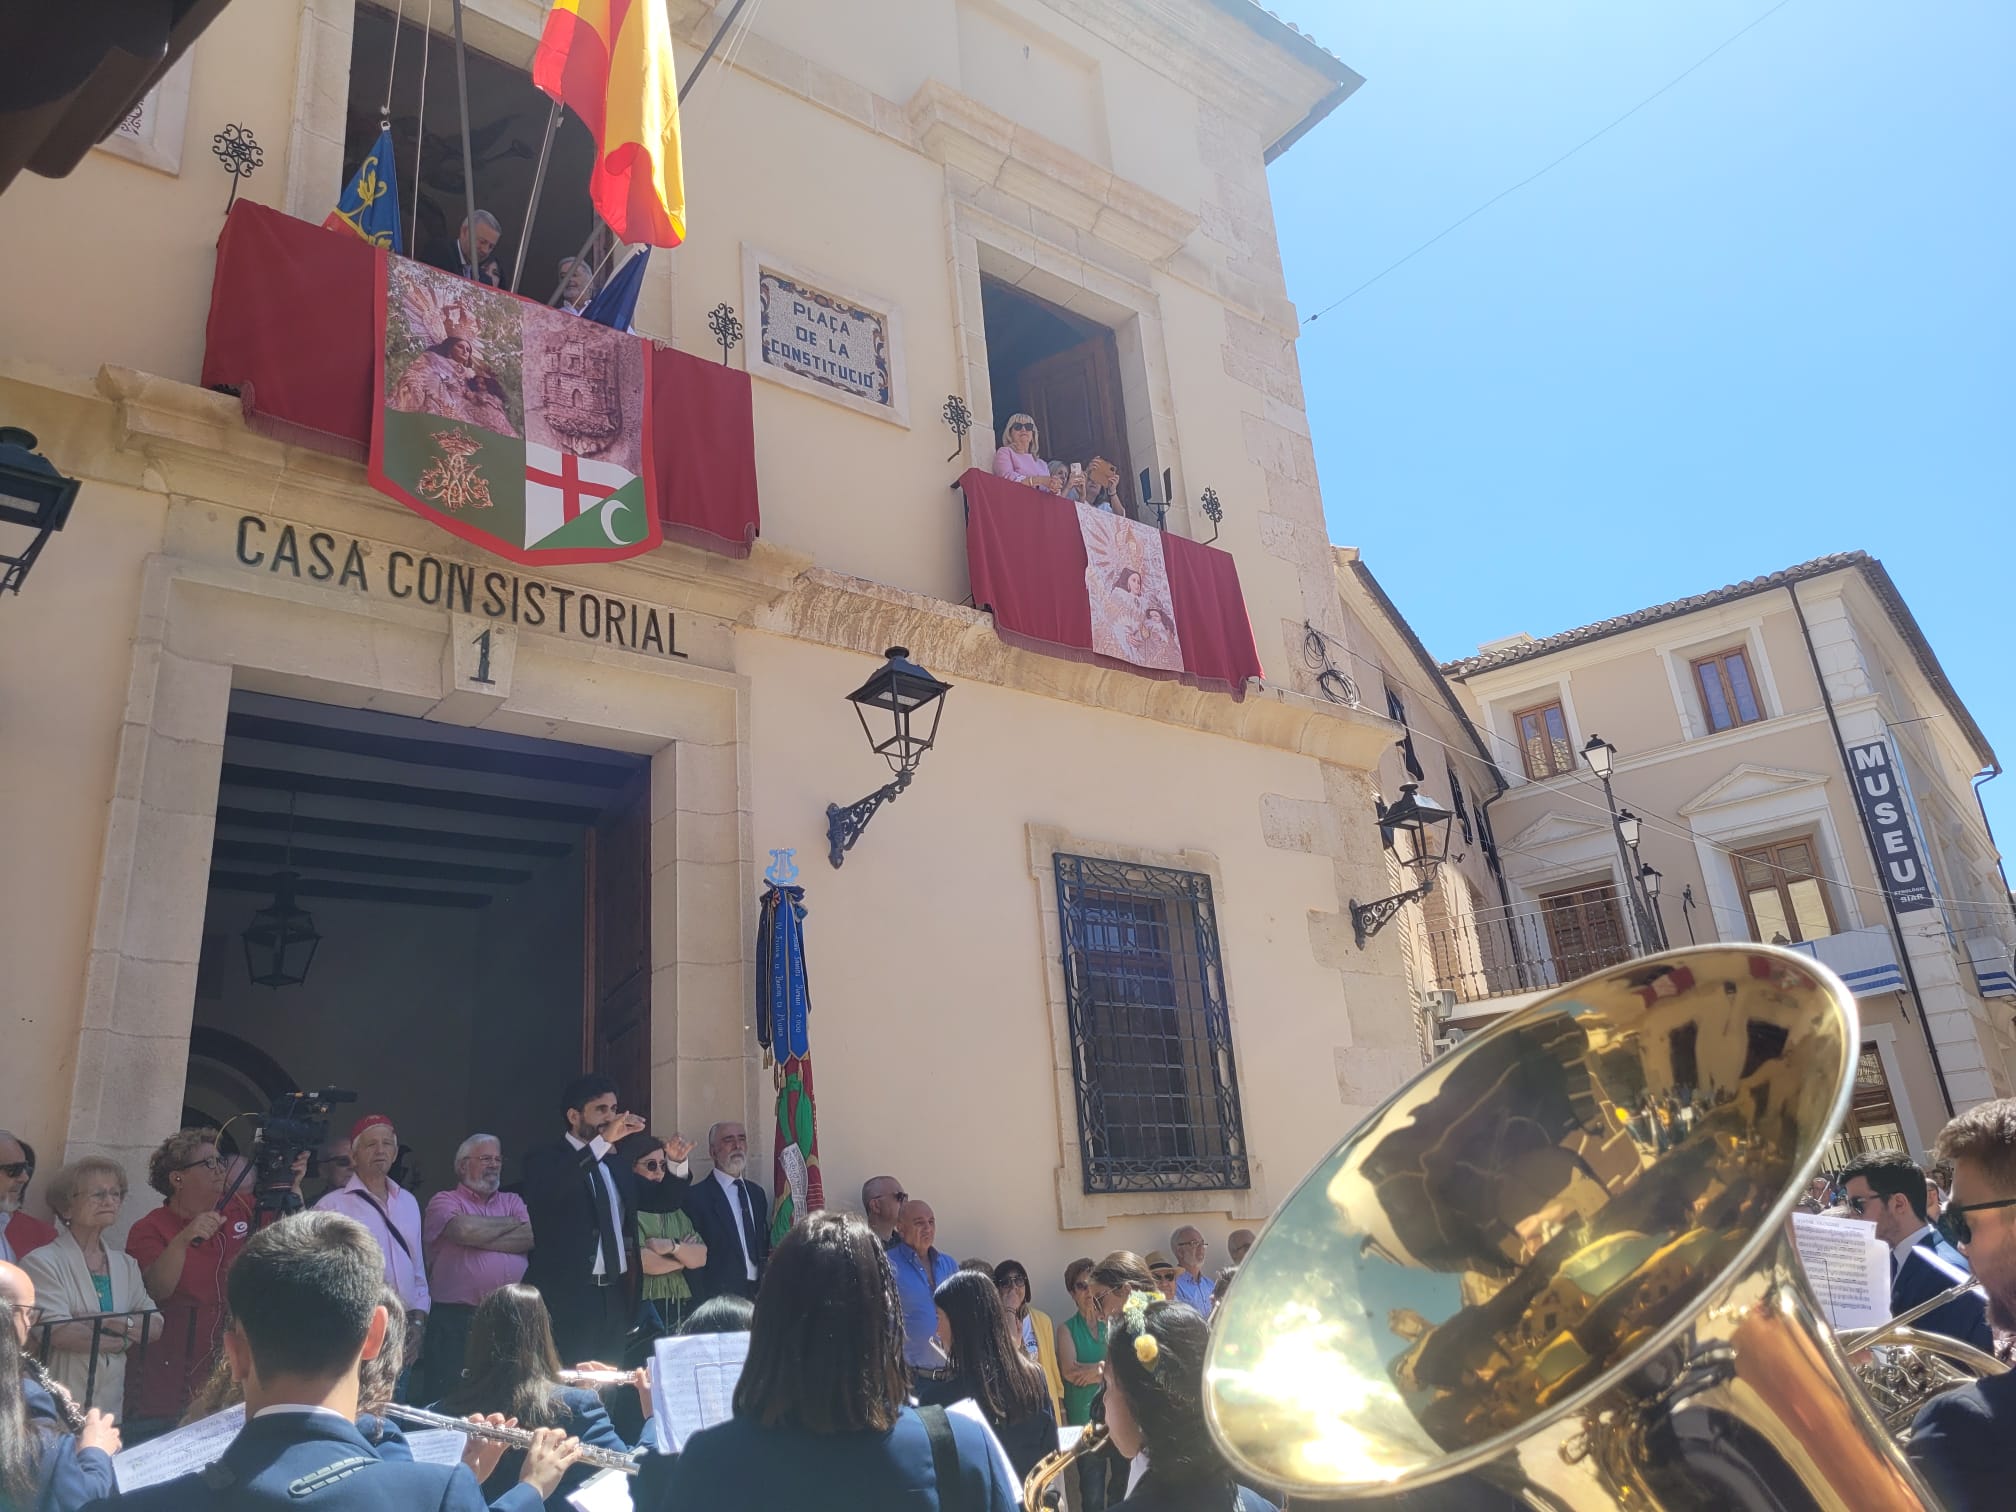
x=514, y=426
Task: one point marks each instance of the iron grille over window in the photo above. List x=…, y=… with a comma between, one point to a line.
x=1151, y=1041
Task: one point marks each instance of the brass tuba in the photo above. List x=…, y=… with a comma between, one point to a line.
x=1558, y=1260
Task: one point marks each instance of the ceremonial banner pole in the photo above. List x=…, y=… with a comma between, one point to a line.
x=538, y=184
x=468, y=157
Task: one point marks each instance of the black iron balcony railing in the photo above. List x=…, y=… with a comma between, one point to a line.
x=86, y=1342
x=1529, y=948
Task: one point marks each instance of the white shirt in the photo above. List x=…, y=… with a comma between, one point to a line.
x=735, y=1212
x=1903, y=1247
x=599, y=1147
x=300, y=1409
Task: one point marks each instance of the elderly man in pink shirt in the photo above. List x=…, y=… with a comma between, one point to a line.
x=477, y=1239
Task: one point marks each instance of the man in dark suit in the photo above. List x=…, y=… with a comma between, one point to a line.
x=1961, y=1440
x=732, y=1217
x=459, y=256
x=1887, y=1188
x=304, y=1316
x=583, y=1201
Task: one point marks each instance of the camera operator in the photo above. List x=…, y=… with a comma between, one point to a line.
x=184, y=1248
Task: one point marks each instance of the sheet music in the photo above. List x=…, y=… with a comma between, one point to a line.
x=693, y=1384
x=177, y=1453
x=437, y=1446
x=607, y=1492
x=1848, y=1266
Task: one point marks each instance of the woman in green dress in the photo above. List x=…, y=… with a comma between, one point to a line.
x=667, y=1247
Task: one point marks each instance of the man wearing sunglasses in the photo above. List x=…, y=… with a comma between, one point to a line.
x=1961, y=1441
x=20, y=1232
x=1887, y=1189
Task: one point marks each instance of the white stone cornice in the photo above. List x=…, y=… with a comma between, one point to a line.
x=962, y=133
x=961, y=644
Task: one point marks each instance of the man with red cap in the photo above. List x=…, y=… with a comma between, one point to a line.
x=392, y=1215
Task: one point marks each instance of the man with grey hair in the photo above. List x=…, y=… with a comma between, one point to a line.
x=476, y=1239
x=882, y=1199
x=460, y=257
x=732, y=1217
x=1192, y=1286
x=577, y=284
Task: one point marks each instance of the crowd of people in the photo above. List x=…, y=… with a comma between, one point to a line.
x=879, y=1371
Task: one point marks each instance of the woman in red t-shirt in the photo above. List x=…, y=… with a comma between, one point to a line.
x=183, y=1249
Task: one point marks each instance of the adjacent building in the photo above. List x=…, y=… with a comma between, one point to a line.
x=1796, y=768
x=1092, y=974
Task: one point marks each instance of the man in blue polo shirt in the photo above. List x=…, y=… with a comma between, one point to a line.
x=919, y=1270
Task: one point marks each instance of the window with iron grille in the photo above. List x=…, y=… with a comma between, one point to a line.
x=1151, y=1041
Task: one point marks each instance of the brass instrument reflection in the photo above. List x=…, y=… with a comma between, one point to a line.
x=1538, y=1257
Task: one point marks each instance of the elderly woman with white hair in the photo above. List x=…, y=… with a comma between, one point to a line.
x=1017, y=460
x=79, y=1277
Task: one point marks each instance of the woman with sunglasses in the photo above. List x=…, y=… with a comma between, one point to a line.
x=1081, y=1350
x=1038, y=1333
x=183, y=1249
x=667, y=1247
x=1017, y=460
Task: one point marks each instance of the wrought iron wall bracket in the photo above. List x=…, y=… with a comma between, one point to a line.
x=844, y=825
x=1367, y=919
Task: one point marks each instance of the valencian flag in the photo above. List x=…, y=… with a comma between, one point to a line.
x=369, y=204
x=783, y=1007
x=514, y=426
x=610, y=62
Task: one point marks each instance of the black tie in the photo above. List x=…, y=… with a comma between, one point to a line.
x=605, y=1226
x=748, y=1219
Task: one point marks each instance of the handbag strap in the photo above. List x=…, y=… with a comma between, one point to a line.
x=944, y=1459
x=390, y=1227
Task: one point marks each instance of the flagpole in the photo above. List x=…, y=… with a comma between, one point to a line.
x=468, y=157
x=538, y=184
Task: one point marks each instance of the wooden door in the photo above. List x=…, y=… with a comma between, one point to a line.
x=1075, y=399
x=617, y=954
x=1585, y=930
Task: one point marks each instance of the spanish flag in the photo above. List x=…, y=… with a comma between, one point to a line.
x=610, y=62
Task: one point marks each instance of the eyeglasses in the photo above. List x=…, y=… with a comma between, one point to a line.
x=1953, y=1223
x=28, y=1312
x=651, y=1167
x=1021, y=425
x=16, y=1169
x=1856, y=1202
x=336, y=1160
x=212, y=1164
x=1079, y=1286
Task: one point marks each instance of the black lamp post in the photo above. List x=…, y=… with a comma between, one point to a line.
x=1428, y=823
x=281, y=939
x=1601, y=757
x=34, y=496
x=1648, y=882
x=899, y=693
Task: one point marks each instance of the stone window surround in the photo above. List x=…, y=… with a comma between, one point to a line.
x=1077, y=1208
x=1502, y=727
x=1678, y=654
x=203, y=631
x=1798, y=808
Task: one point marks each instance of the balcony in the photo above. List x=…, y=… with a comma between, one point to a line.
x=1528, y=949
x=1097, y=587
x=1994, y=961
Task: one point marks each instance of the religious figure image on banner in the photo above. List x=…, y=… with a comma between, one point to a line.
x=1127, y=585
x=514, y=426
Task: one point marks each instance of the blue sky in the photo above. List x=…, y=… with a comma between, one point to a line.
x=1766, y=318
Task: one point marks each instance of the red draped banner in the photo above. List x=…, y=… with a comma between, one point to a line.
x=292, y=329
x=1025, y=555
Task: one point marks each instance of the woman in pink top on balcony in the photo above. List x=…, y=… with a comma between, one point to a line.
x=1017, y=460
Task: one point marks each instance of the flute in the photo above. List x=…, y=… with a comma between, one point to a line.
x=517, y=1438
x=595, y=1377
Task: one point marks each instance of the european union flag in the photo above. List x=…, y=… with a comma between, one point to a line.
x=616, y=305
x=370, y=202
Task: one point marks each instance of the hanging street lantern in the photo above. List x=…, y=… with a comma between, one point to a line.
x=892, y=706
x=35, y=499
x=1427, y=823
x=281, y=939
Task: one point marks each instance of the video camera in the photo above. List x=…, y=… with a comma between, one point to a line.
x=298, y=1122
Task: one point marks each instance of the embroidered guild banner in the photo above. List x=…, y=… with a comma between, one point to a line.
x=1127, y=586
x=514, y=426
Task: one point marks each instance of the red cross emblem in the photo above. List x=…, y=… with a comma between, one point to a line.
x=574, y=494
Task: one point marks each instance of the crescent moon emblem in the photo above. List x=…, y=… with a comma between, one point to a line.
x=611, y=507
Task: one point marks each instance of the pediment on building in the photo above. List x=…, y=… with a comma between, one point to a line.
x=1556, y=829
x=962, y=133
x=1747, y=784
